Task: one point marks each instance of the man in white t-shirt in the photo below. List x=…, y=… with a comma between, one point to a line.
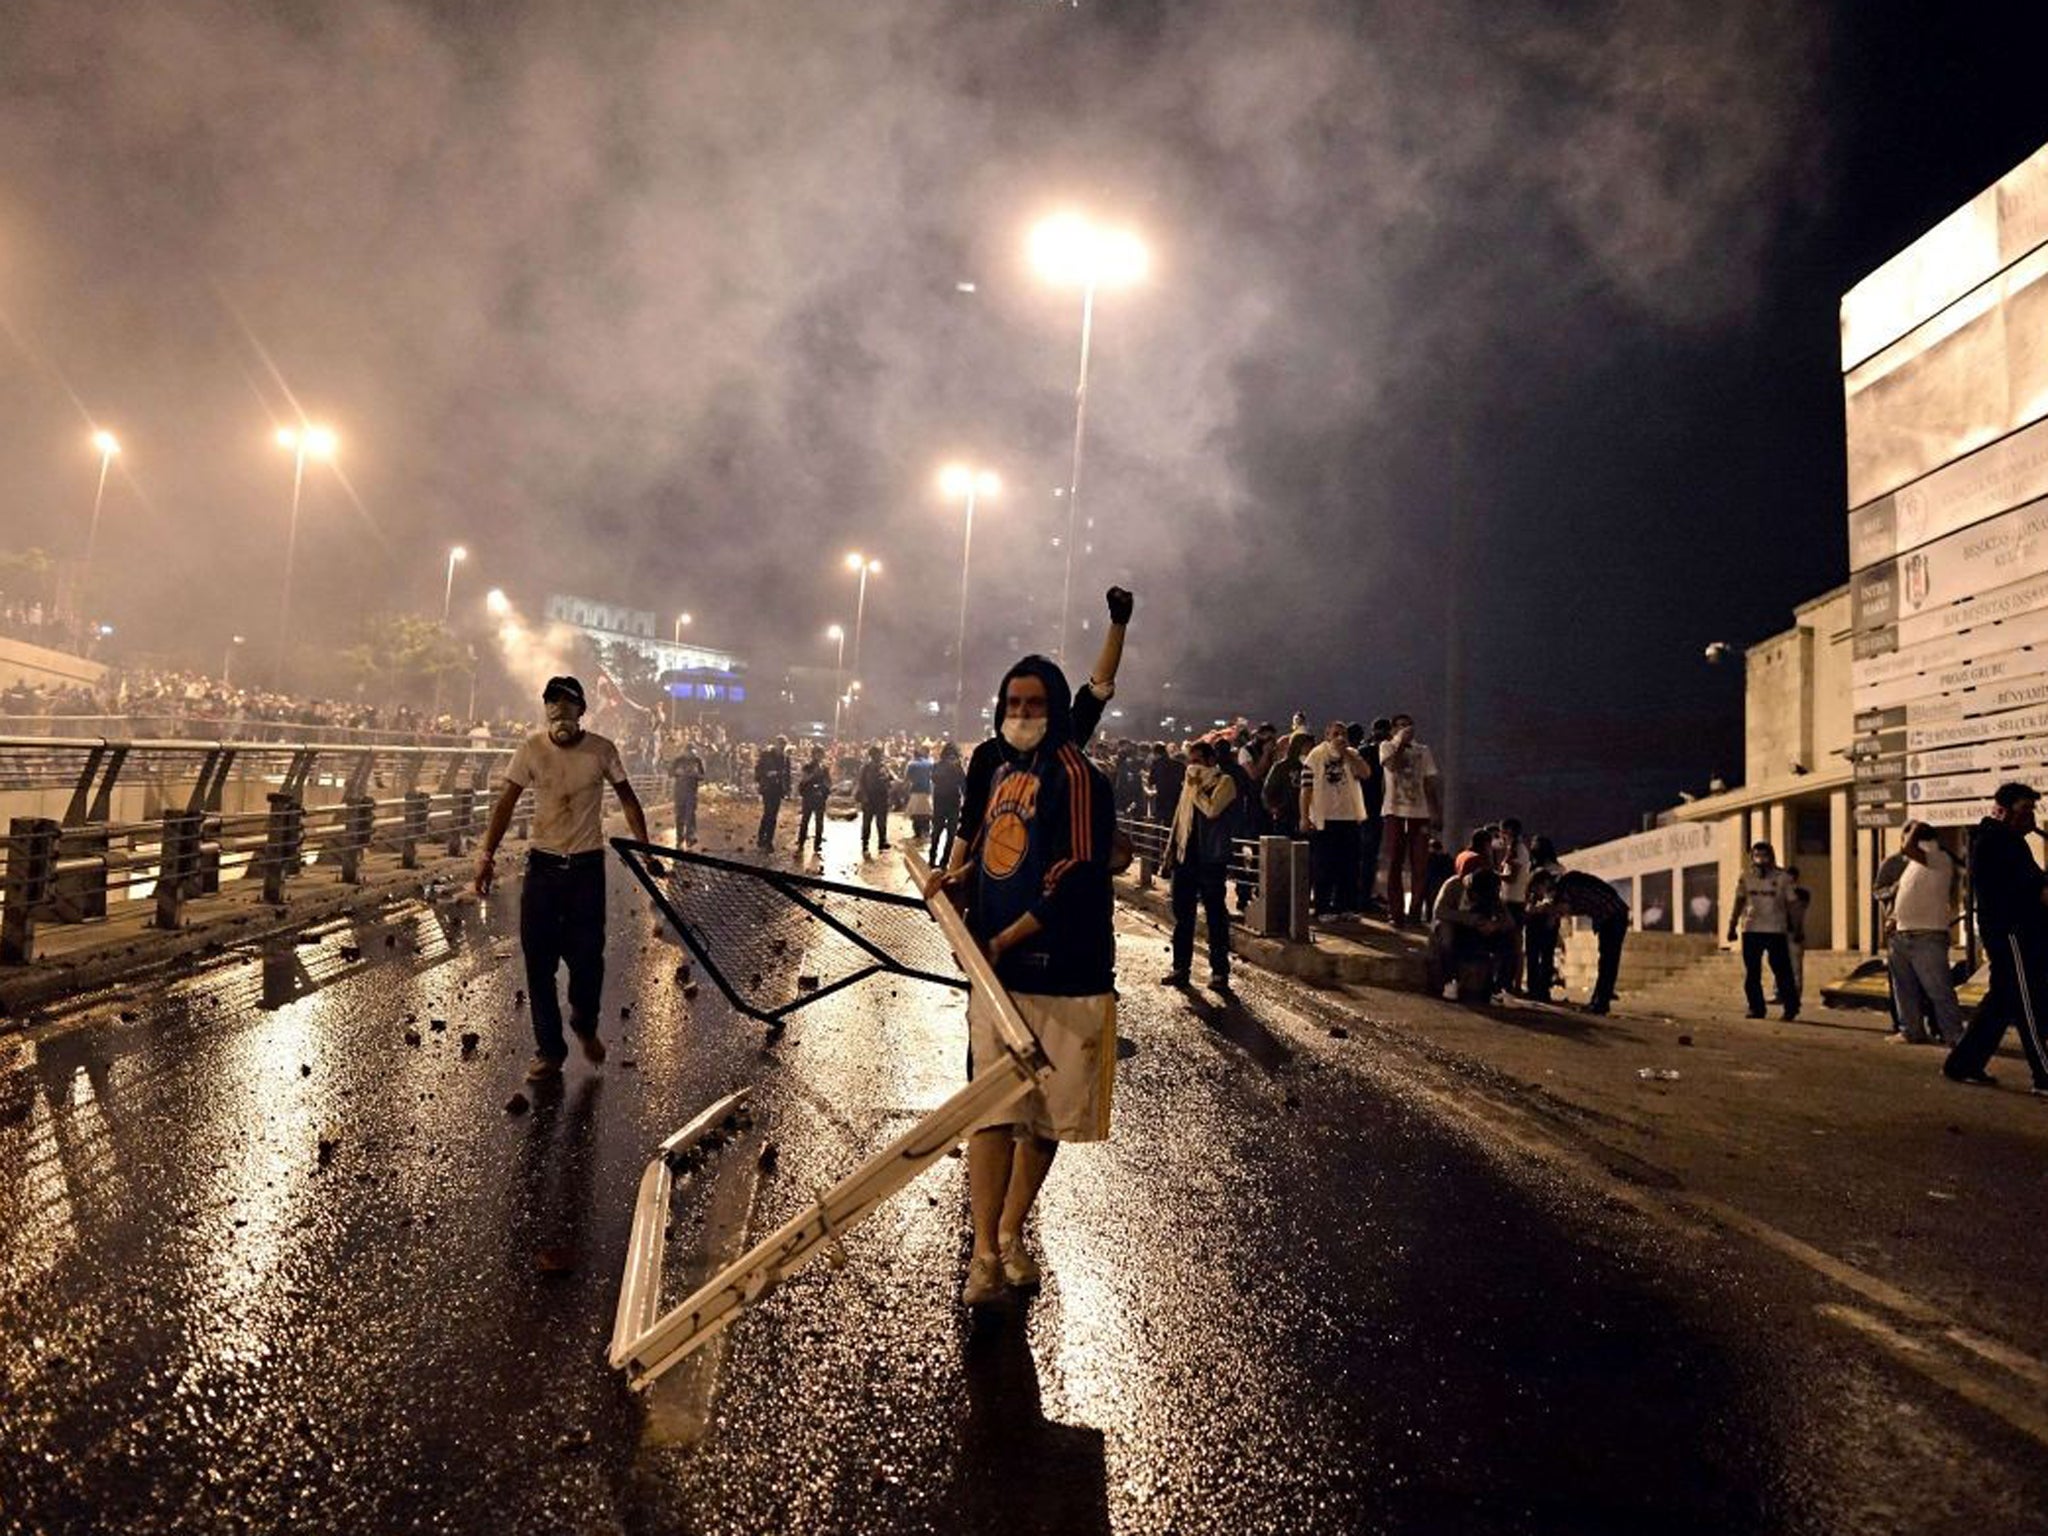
x=1923, y=910
x=1413, y=809
x=1763, y=910
x=561, y=905
x=1333, y=810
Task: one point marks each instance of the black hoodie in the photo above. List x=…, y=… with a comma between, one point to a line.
x=1043, y=848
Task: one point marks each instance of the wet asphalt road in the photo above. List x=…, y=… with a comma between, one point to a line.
x=1288, y=1296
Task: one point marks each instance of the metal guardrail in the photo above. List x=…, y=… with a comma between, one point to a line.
x=1149, y=840
x=170, y=725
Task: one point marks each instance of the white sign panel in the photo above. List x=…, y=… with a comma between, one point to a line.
x=1996, y=477
x=1682, y=842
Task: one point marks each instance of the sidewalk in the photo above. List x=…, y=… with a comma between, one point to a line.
x=1355, y=953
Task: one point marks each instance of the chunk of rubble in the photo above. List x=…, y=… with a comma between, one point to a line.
x=517, y=1104
x=470, y=1040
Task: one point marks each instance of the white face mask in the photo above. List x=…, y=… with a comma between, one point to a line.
x=564, y=722
x=1023, y=735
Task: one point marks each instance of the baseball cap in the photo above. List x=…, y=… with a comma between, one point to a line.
x=2010, y=795
x=564, y=688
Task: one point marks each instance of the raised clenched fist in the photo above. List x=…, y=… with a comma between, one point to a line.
x=1120, y=605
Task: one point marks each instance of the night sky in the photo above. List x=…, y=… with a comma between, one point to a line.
x=1518, y=318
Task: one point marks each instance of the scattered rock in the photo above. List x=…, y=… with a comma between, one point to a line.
x=1339, y=1032
x=754, y=980
x=625, y=1010
x=627, y=1064
x=412, y=1037
x=575, y=1441
x=1685, y=1039
x=437, y=1025
x=683, y=971
x=129, y=1015
x=391, y=941
x=952, y=1152
x=1294, y=1101
x=328, y=1147
x=470, y=1041
x=777, y=946
x=556, y=1261
x=517, y=1104
x=351, y=952
x=305, y=1069
x=770, y=1156
x=689, y=989
x=518, y=997
x=807, y=983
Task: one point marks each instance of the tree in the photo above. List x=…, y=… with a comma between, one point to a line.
x=24, y=573
x=634, y=671
x=403, y=652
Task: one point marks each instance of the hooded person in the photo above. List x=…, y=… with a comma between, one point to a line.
x=1040, y=904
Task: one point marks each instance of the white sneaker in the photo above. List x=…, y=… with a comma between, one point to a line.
x=1019, y=1268
x=984, y=1287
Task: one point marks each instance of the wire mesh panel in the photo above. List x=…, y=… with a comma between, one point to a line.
x=774, y=942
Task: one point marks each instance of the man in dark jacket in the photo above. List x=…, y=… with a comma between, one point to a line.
x=1574, y=893
x=1197, y=859
x=949, y=781
x=1041, y=907
x=874, y=788
x=771, y=777
x=2012, y=916
x=813, y=794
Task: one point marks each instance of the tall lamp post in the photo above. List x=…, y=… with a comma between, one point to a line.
x=856, y=561
x=305, y=442
x=683, y=621
x=1071, y=252
x=109, y=448
x=837, y=633
x=227, y=661
x=959, y=481
x=455, y=553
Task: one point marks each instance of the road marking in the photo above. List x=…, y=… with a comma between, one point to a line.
x=1959, y=1377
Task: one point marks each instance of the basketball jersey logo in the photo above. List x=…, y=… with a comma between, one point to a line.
x=1008, y=839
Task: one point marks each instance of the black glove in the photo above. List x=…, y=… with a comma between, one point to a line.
x=1120, y=605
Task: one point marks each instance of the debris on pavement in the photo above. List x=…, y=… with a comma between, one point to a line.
x=1657, y=1074
x=517, y=1104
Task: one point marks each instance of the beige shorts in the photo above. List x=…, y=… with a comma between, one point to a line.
x=1078, y=1035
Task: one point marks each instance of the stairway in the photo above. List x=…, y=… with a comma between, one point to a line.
x=1692, y=973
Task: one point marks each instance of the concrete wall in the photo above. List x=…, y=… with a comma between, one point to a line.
x=21, y=662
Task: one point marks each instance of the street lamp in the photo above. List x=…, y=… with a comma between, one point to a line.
x=227, y=661
x=496, y=603
x=682, y=619
x=109, y=448
x=837, y=634
x=856, y=561
x=1070, y=252
x=304, y=442
x=962, y=481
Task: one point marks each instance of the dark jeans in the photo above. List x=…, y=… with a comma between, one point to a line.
x=1371, y=835
x=2017, y=995
x=771, y=807
x=812, y=819
x=1612, y=935
x=1540, y=937
x=871, y=819
x=1468, y=957
x=1511, y=964
x=1333, y=868
x=686, y=815
x=561, y=918
x=945, y=827
x=1755, y=946
x=1203, y=883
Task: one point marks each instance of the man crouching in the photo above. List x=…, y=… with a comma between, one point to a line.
x=1041, y=906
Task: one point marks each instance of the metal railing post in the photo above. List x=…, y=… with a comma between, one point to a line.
x=1270, y=906
x=462, y=818
x=1297, y=892
x=281, y=845
x=358, y=820
x=177, y=866
x=31, y=877
x=414, y=830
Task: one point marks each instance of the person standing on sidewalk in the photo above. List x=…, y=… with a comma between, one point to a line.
x=771, y=777
x=561, y=906
x=2012, y=916
x=949, y=782
x=874, y=788
x=1415, y=812
x=1333, y=809
x=1197, y=861
x=1923, y=907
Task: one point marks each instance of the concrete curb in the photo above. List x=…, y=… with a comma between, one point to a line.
x=1323, y=964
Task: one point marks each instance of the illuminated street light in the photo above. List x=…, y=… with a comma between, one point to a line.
x=109, y=448
x=682, y=621
x=856, y=561
x=1071, y=252
x=837, y=634
x=303, y=443
x=497, y=603
x=227, y=661
x=965, y=482
x=448, y=593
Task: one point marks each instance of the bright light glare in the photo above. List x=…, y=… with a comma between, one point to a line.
x=835, y=633
x=314, y=442
x=1067, y=249
x=498, y=603
x=458, y=553
x=107, y=443
x=853, y=561
x=958, y=479
x=685, y=619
